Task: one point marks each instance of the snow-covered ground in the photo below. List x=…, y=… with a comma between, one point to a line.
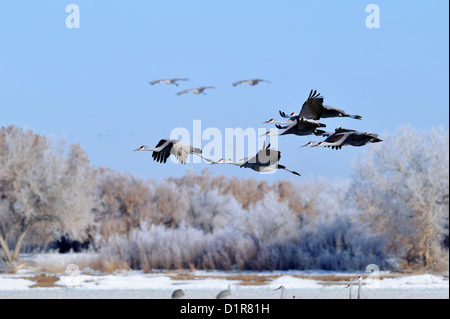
x=206, y=285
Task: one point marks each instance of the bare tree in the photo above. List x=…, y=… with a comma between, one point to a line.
x=41, y=184
x=402, y=189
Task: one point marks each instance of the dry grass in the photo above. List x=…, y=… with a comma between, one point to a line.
x=257, y=279
x=43, y=281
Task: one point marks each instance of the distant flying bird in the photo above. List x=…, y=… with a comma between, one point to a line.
x=165, y=148
x=252, y=82
x=224, y=293
x=344, y=137
x=283, y=292
x=168, y=81
x=177, y=294
x=299, y=127
x=196, y=91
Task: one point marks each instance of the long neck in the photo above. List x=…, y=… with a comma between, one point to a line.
x=359, y=289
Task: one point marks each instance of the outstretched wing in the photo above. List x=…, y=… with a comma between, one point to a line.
x=313, y=106
x=156, y=81
x=267, y=157
x=337, y=138
x=178, y=79
x=185, y=91
x=282, y=114
x=163, y=153
x=181, y=151
x=239, y=82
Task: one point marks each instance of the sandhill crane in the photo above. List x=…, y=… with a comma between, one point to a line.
x=165, y=148
x=283, y=292
x=224, y=293
x=328, y=111
x=168, y=81
x=196, y=91
x=344, y=137
x=252, y=82
x=314, y=109
x=177, y=294
x=359, y=287
x=350, y=291
x=266, y=160
x=299, y=127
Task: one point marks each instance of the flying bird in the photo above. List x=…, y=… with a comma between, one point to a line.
x=265, y=160
x=165, y=148
x=252, y=82
x=196, y=91
x=314, y=109
x=168, y=81
x=343, y=137
x=299, y=127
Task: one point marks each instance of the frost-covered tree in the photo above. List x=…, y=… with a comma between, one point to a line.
x=126, y=202
x=43, y=189
x=402, y=188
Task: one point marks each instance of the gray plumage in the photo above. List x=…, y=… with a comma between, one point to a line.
x=251, y=82
x=224, y=293
x=283, y=292
x=299, y=127
x=265, y=160
x=342, y=137
x=168, y=81
x=177, y=294
x=314, y=109
x=196, y=91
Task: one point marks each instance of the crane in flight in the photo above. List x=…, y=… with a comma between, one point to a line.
x=196, y=91
x=251, y=82
x=314, y=109
x=265, y=160
x=342, y=137
x=165, y=148
x=298, y=127
x=168, y=81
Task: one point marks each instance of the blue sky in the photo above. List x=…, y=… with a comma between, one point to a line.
x=90, y=85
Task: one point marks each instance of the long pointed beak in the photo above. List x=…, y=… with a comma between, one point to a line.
x=265, y=134
x=136, y=150
x=266, y=122
x=304, y=145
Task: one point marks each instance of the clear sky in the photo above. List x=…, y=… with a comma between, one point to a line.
x=90, y=84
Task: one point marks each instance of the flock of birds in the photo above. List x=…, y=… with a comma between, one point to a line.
x=179, y=293
x=301, y=124
x=200, y=90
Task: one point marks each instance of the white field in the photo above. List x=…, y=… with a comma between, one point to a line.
x=89, y=284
